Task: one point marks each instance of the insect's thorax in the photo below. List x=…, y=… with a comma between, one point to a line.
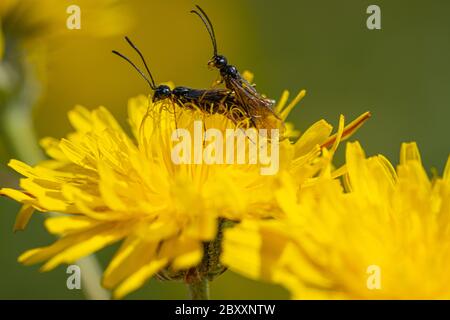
x=180, y=92
x=229, y=71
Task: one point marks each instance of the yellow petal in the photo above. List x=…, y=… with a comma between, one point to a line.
x=355, y=158
x=314, y=135
x=23, y=217
x=70, y=248
x=77, y=154
x=37, y=255
x=51, y=147
x=80, y=118
x=248, y=76
x=22, y=168
x=137, y=110
x=188, y=259
x=339, y=133
x=185, y=251
x=349, y=130
x=132, y=255
x=138, y=278
x=253, y=249
x=373, y=177
x=282, y=102
x=17, y=195
x=284, y=114
x=286, y=195
x=67, y=224
x=85, y=247
x=240, y=249
x=446, y=175
x=103, y=119
x=390, y=170
x=292, y=267
x=409, y=152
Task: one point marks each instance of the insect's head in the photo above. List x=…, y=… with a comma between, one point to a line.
x=218, y=62
x=161, y=92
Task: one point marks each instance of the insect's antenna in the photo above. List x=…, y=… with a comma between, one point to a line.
x=152, y=85
x=207, y=18
x=208, y=25
x=142, y=58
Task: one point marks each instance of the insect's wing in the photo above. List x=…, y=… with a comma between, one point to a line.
x=217, y=95
x=256, y=106
x=207, y=95
x=254, y=97
x=248, y=86
x=209, y=100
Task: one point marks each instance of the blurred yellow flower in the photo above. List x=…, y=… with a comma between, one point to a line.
x=31, y=35
x=112, y=187
x=386, y=237
x=28, y=19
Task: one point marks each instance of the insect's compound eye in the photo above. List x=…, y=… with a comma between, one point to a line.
x=220, y=61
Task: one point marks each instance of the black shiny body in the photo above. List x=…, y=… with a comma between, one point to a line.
x=256, y=106
x=209, y=101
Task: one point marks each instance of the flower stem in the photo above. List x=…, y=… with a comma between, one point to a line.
x=91, y=279
x=199, y=289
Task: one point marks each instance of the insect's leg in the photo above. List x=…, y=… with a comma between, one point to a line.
x=144, y=119
x=223, y=104
x=253, y=123
x=229, y=93
x=249, y=139
x=204, y=128
x=210, y=108
x=175, y=118
x=242, y=124
x=218, y=81
x=245, y=133
x=200, y=100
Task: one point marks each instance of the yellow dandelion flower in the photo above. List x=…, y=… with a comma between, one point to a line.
x=29, y=33
x=47, y=18
x=385, y=237
x=112, y=187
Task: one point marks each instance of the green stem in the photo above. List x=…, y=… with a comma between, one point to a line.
x=91, y=279
x=199, y=289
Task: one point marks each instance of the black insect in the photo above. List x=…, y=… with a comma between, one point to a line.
x=253, y=103
x=210, y=101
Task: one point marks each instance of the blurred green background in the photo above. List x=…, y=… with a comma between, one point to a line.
x=400, y=73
